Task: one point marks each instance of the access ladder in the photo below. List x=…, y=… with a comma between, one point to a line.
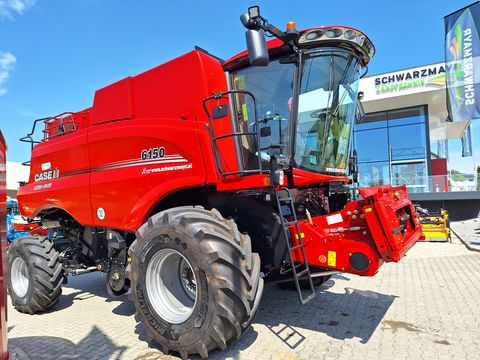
x=287, y=200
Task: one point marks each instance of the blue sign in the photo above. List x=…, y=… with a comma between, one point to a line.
x=462, y=56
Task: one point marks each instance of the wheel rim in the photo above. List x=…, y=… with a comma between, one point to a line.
x=19, y=277
x=171, y=286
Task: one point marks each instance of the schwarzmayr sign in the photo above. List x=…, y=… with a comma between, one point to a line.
x=429, y=76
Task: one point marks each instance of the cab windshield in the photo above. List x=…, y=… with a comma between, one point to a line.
x=326, y=103
x=326, y=111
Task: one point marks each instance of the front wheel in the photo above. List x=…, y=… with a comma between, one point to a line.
x=196, y=284
x=35, y=274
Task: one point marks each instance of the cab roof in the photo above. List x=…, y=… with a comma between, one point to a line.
x=278, y=46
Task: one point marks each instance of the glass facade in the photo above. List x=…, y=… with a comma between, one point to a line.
x=392, y=148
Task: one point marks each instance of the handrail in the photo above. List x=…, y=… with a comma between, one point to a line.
x=63, y=119
x=49, y=124
x=213, y=139
x=28, y=138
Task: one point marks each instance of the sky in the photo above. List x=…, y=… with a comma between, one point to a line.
x=54, y=54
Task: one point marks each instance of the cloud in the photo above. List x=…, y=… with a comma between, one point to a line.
x=8, y=8
x=7, y=62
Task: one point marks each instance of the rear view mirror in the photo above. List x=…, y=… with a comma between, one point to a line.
x=255, y=35
x=353, y=166
x=265, y=131
x=220, y=111
x=257, y=47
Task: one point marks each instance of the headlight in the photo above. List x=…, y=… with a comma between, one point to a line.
x=279, y=177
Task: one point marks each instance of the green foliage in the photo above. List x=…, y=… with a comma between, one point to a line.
x=455, y=175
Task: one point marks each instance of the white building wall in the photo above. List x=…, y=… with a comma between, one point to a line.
x=16, y=173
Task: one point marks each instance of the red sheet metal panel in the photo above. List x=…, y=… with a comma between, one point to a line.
x=381, y=227
x=397, y=217
x=113, y=102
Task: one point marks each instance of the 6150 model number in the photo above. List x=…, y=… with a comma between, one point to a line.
x=153, y=153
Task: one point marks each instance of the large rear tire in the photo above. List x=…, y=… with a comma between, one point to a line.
x=196, y=284
x=35, y=274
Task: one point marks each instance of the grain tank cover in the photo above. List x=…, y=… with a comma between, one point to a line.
x=113, y=102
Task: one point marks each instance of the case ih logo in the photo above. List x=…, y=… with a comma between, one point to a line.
x=47, y=175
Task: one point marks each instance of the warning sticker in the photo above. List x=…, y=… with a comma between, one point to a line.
x=334, y=219
x=332, y=258
x=244, y=112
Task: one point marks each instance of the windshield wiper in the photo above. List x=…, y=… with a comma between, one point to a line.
x=347, y=87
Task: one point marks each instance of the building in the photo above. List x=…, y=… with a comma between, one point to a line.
x=16, y=173
x=405, y=139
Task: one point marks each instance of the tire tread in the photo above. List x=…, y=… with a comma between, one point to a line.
x=228, y=252
x=46, y=274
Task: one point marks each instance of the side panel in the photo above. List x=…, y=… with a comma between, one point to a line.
x=173, y=90
x=216, y=82
x=214, y=79
x=136, y=162
x=59, y=177
x=113, y=102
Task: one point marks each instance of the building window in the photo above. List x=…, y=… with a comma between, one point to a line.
x=374, y=173
x=392, y=148
x=372, y=145
x=407, y=142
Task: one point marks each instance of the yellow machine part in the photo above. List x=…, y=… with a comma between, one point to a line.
x=436, y=228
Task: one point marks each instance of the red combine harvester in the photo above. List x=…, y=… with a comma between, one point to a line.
x=194, y=182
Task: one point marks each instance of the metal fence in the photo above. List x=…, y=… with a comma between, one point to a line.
x=456, y=182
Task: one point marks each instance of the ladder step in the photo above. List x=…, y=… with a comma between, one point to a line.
x=303, y=272
x=308, y=298
x=296, y=247
x=289, y=202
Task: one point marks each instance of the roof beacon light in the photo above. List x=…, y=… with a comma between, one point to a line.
x=291, y=25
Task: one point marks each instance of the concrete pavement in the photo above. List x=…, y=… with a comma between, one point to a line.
x=468, y=232
x=427, y=306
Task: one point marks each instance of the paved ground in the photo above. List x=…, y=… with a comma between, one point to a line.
x=425, y=307
x=469, y=232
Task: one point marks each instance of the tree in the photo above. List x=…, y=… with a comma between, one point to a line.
x=456, y=175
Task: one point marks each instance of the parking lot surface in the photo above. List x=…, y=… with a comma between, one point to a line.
x=469, y=232
x=427, y=306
